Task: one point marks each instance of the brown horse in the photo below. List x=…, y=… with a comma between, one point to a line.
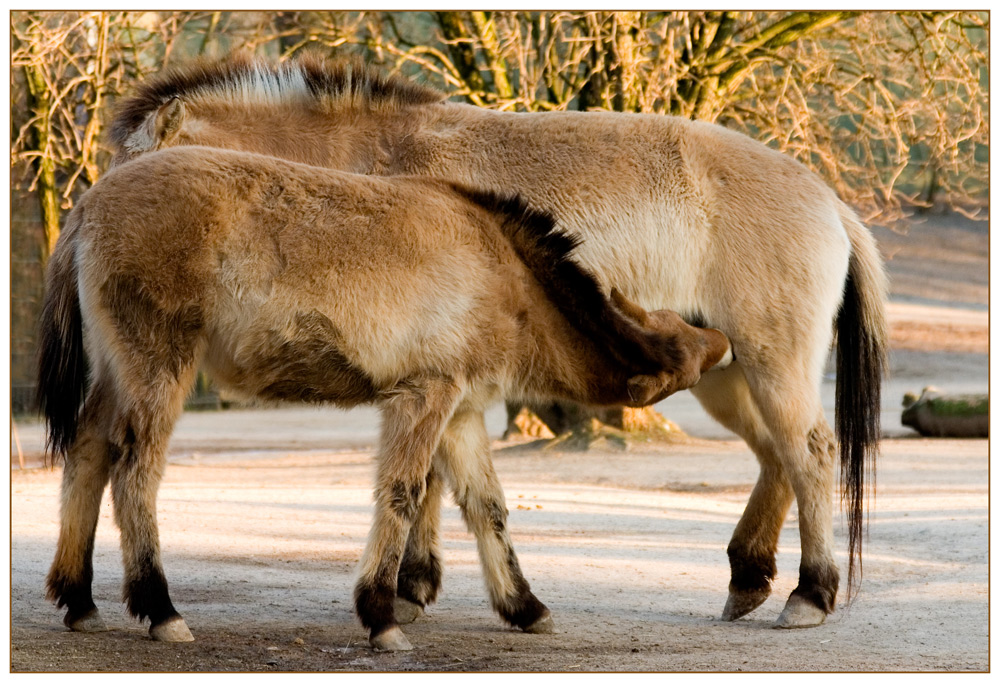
x=680, y=214
x=290, y=282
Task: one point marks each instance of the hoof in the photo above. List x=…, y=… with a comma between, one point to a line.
x=543, y=624
x=90, y=622
x=171, y=631
x=741, y=603
x=391, y=640
x=406, y=611
x=800, y=613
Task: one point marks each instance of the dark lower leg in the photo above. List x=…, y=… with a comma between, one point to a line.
x=515, y=602
x=134, y=484
x=818, y=585
x=419, y=577
x=804, y=449
x=727, y=397
x=146, y=593
x=412, y=422
x=754, y=544
x=71, y=575
x=819, y=577
x=466, y=458
x=72, y=589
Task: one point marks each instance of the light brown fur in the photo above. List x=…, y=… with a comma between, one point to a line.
x=679, y=214
x=289, y=282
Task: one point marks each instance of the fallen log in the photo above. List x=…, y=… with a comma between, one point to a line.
x=934, y=413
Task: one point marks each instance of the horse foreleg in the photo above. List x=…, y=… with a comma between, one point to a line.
x=420, y=571
x=85, y=475
x=412, y=421
x=465, y=453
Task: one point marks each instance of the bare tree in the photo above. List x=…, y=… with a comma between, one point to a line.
x=889, y=107
x=67, y=66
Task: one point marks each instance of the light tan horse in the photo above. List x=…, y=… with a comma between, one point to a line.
x=289, y=282
x=681, y=215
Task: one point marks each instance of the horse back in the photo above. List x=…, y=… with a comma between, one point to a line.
x=288, y=268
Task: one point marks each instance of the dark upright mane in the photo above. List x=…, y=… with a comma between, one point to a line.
x=308, y=76
x=547, y=252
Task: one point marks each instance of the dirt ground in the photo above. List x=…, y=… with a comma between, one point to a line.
x=264, y=514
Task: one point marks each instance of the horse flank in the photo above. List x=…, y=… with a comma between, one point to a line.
x=547, y=252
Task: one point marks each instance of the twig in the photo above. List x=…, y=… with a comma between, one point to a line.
x=17, y=442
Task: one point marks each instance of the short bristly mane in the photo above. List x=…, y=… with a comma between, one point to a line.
x=547, y=252
x=246, y=78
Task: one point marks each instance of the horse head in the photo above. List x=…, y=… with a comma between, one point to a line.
x=686, y=351
x=157, y=131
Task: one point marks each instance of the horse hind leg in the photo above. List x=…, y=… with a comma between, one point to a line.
x=819, y=578
x=465, y=458
x=151, y=350
x=804, y=449
x=726, y=396
x=138, y=452
x=412, y=421
x=85, y=474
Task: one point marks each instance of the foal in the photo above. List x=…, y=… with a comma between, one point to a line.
x=290, y=282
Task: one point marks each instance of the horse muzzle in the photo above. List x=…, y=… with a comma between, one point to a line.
x=718, y=341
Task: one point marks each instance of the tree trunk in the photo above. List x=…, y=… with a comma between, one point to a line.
x=39, y=102
x=570, y=426
x=462, y=48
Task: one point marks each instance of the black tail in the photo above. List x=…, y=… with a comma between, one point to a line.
x=62, y=371
x=861, y=362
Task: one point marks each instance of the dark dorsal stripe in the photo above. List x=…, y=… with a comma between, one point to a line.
x=547, y=252
x=326, y=80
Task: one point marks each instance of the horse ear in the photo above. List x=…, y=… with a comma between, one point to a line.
x=646, y=389
x=169, y=118
x=632, y=310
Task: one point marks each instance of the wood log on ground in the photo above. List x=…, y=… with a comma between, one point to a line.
x=956, y=415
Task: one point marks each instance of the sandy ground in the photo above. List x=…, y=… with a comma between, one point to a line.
x=264, y=516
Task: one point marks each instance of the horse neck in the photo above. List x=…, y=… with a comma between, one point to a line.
x=357, y=139
x=558, y=361
x=345, y=140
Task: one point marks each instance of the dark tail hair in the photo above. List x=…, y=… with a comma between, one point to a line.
x=862, y=340
x=62, y=370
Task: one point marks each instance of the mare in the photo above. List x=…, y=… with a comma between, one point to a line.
x=681, y=215
x=288, y=282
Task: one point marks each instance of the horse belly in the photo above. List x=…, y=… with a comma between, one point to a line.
x=302, y=362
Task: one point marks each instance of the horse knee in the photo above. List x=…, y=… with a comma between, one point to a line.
x=822, y=445
x=405, y=499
